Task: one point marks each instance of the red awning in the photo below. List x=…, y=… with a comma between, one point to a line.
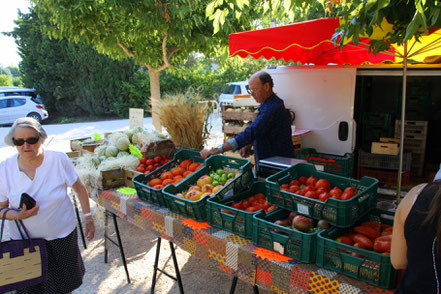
x=307, y=42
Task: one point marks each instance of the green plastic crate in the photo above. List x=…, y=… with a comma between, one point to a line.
x=220, y=214
x=155, y=196
x=197, y=209
x=340, y=213
x=373, y=268
x=287, y=241
x=335, y=164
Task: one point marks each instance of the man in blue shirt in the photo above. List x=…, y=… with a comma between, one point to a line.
x=270, y=133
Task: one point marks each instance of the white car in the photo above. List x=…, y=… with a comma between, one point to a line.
x=231, y=89
x=13, y=107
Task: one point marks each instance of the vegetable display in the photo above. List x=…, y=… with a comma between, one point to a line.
x=302, y=223
x=172, y=176
x=370, y=236
x=319, y=189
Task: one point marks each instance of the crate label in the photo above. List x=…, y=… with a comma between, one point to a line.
x=302, y=209
x=319, y=167
x=278, y=247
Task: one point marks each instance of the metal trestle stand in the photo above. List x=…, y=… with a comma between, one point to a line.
x=234, y=283
x=175, y=262
x=119, y=244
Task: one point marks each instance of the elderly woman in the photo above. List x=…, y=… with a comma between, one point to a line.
x=45, y=175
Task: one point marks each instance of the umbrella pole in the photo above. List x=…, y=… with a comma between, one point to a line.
x=403, y=117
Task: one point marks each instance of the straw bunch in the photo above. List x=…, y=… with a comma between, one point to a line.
x=185, y=117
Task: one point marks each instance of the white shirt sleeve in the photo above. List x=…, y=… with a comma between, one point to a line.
x=70, y=174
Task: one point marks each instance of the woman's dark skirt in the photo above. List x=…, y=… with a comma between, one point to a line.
x=65, y=267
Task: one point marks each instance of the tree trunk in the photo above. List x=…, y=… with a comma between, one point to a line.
x=155, y=92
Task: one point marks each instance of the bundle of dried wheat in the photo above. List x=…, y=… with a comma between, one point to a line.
x=185, y=118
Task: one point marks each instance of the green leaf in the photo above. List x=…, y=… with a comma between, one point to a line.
x=97, y=136
x=126, y=190
x=135, y=151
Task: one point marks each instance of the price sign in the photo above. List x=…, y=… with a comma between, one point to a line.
x=136, y=117
x=302, y=209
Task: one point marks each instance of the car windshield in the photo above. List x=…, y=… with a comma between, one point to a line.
x=231, y=89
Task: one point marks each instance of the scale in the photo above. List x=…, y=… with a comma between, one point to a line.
x=272, y=165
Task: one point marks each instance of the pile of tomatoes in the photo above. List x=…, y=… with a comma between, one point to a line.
x=370, y=236
x=254, y=203
x=319, y=189
x=146, y=166
x=176, y=174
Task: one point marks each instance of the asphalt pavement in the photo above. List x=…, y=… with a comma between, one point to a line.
x=61, y=134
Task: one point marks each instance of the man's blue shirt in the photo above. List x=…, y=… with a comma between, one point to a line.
x=270, y=132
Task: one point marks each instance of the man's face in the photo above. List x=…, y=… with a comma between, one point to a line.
x=257, y=90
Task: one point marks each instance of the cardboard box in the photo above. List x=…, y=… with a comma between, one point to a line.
x=390, y=140
x=385, y=148
x=116, y=178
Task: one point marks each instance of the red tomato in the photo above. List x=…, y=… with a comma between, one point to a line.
x=294, y=182
x=284, y=186
x=369, y=232
x=140, y=169
x=149, y=162
x=271, y=208
x=185, y=163
x=323, y=196
x=363, y=240
x=164, y=156
x=259, y=196
x=311, y=181
x=311, y=194
x=300, y=192
x=293, y=188
x=335, y=191
x=382, y=244
x=251, y=199
x=358, y=245
x=303, y=180
x=157, y=159
x=252, y=209
x=309, y=188
x=237, y=205
x=245, y=204
x=346, y=196
x=322, y=183
x=345, y=240
x=351, y=190
x=143, y=160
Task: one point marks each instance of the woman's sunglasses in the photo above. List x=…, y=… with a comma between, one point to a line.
x=20, y=142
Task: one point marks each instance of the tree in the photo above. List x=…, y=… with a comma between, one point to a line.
x=156, y=34
x=70, y=78
x=5, y=80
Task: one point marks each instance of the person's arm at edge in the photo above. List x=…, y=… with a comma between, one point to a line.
x=82, y=194
x=399, y=245
x=21, y=214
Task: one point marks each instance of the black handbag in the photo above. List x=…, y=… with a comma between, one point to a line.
x=23, y=263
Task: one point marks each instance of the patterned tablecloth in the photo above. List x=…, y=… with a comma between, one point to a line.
x=229, y=252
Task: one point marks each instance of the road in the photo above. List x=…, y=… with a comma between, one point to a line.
x=61, y=134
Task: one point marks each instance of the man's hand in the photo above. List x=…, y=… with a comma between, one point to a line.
x=207, y=152
x=245, y=151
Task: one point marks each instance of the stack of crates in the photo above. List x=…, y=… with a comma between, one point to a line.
x=384, y=167
x=417, y=102
x=376, y=125
x=415, y=135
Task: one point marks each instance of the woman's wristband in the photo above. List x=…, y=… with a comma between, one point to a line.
x=87, y=214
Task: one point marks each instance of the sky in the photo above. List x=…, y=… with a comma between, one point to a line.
x=8, y=13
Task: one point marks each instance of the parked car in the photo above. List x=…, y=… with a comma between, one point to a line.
x=13, y=107
x=17, y=91
x=231, y=89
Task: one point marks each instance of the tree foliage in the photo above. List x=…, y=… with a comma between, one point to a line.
x=154, y=33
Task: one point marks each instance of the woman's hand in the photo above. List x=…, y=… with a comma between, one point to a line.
x=90, y=228
x=25, y=213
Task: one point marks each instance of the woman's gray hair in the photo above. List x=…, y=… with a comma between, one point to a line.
x=25, y=122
